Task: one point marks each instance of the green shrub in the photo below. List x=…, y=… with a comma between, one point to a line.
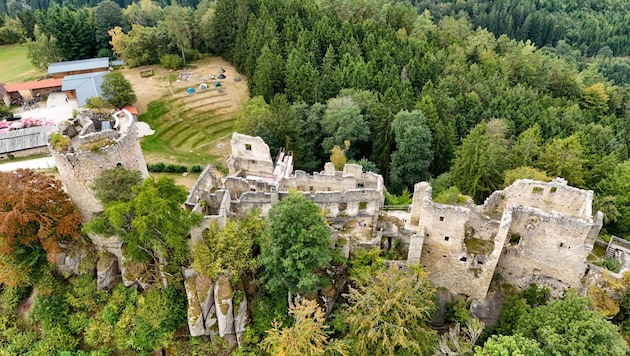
x=196, y=169
x=192, y=55
x=611, y=264
x=172, y=61
x=59, y=142
x=156, y=168
x=171, y=168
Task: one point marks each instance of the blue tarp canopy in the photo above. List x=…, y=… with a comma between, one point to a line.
x=190, y=90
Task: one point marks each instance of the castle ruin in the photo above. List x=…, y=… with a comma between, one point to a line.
x=95, y=143
x=529, y=232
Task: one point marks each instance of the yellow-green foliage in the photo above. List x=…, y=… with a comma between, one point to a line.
x=602, y=301
x=59, y=141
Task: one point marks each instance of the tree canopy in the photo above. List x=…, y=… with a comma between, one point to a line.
x=117, y=90
x=36, y=215
x=294, y=246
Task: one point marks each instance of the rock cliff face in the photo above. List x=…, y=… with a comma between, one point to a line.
x=212, y=309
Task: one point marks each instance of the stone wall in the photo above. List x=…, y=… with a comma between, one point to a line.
x=530, y=232
x=78, y=168
x=458, y=247
x=545, y=248
x=553, y=196
x=250, y=156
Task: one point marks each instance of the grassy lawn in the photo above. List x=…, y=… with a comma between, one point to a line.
x=185, y=128
x=16, y=67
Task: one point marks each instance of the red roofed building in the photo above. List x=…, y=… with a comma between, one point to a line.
x=30, y=89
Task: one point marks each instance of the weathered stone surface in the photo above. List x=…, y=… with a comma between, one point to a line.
x=205, y=294
x=488, y=310
x=135, y=273
x=443, y=298
x=195, y=318
x=240, y=319
x=107, y=271
x=530, y=232
x=223, y=295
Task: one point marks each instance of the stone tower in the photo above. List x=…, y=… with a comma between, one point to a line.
x=85, y=146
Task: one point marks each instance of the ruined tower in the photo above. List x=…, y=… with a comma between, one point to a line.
x=85, y=146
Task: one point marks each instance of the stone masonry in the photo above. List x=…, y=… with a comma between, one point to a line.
x=530, y=232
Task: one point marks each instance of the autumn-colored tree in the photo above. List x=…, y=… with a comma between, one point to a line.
x=306, y=337
x=338, y=156
x=35, y=216
x=117, y=35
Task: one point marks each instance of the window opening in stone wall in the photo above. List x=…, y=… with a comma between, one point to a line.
x=441, y=218
x=538, y=190
x=553, y=189
x=248, y=147
x=310, y=188
x=446, y=238
x=515, y=239
x=362, y=205
x=479, y=262
x=562, y=244
x=463, y=259
x=343, y=206
x=118, y=164
x=443, y=256
x=360, y=185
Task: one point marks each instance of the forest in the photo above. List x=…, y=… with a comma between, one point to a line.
x=469, y=95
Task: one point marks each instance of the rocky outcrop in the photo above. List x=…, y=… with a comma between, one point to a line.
x=223, y=294
x=214, y=308
x=107, y=271
x=240, y=318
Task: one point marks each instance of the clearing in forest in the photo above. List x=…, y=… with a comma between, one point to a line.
x=16, y=67
x=190, y=128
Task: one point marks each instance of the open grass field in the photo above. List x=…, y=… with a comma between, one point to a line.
x=15, y=66
x=189, y=128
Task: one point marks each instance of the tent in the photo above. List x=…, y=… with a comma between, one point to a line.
x=221, y=76
x=203, y=86
x=217, y=84
x=190, y=90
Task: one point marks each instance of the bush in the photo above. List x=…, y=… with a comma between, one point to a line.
x=611, y=264
x=192, y=55
x=172, y=61
x=156, y=168
x=171, y=168
x=95, y=102
x=59, y=142
x=196, y=169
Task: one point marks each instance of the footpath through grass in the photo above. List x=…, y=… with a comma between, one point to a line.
x=15, y=65
x=185, y=129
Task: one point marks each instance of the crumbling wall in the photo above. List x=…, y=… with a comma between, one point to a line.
x=78, y=169
x=530, y=232
x=545, y=248
x=553, y=196
x=458, y=247
x=250, y=156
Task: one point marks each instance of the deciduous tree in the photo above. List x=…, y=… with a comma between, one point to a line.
x=36, y=215
x=117, y=90
x=571, y=326
x=153, y=225
x=227, y=251
x=294, y=246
